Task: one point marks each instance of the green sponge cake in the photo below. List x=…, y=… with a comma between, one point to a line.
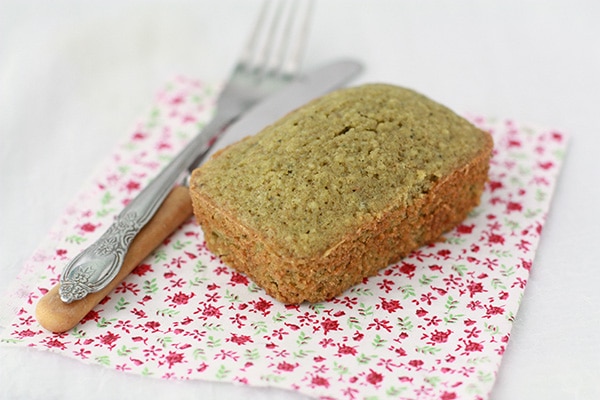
x=339, y=189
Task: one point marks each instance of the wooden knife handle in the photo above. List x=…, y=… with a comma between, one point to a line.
x=56, y=316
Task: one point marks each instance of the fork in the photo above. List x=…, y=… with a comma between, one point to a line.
x=270, y=60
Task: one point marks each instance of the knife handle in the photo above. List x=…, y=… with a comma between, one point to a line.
x=57, y=316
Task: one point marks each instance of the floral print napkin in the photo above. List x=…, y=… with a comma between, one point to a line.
x=434, y=325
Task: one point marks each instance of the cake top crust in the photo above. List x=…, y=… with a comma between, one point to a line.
x=328, y=167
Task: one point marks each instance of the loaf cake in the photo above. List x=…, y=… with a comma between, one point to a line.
x=338, y=189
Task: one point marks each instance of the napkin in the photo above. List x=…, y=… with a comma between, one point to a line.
x=434, y=325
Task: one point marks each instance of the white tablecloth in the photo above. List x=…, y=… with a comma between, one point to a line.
x=74, y=76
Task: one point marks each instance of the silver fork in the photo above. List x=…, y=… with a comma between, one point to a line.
x=270, y=60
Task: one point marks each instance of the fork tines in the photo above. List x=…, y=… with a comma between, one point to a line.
x=278, y=40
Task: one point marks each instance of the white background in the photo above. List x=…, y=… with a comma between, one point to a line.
x=75, y=75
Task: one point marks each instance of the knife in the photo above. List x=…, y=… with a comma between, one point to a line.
x=57, y=316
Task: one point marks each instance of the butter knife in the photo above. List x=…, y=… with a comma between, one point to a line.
x=57, y=315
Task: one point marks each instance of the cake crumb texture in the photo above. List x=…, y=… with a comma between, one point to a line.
x=340, y=188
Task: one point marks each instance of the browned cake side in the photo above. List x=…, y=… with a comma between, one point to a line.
x=339, y=189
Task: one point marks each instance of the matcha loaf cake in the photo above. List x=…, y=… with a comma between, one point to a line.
x=340, y=188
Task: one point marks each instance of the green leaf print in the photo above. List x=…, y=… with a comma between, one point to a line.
x=199, y=354
x=428, y=349
x=452, y=318
x=160, y=254
x=107, y=197
x=460, y=269
x=498, y=284
x=103, y=323
x=405, y=323
x=272, y=378
x=433, y=380
x=121, y=304
x=259, y=327
x=302, y=353
x=103, y=360
x=213, y=342
x=167, y=312
x=407, y=291
x=303, y=339
x=179, y=245
x=253, y=354
x=211, y=326
x=427, y=280
x=340, y=369
x=354, y=324
x=222, y=372
x=364, y=359
x=378, y=341
x=364, y=311
x=281, y=317
x=451, y=304
x=125, y=351
x=75, y=239
x=150, y=287
x=165, y=341
x=506, y=271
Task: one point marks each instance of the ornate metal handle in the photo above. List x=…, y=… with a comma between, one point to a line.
x=96, y=266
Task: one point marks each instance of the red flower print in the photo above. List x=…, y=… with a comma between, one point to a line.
x=142, y=269
x=471, y=346
x=474, y=288
x=494, y=238
x=400, y=352
x=380, y=324
x=374, y=377
x=465, y=229
x=132, y=186
x=416, y=363
x=152, y=325
x=357, y=337
x=493, y=310
x=439, y=336
x=210, y=311
x=285, y=366
x=124, y=287
x=421, y=312
x=386, y=285
x=319, y=381
x=174, y=358
x=408, y=269
x=109, y=339
x=448, y=396
x=25, y=333
x=93, y=315
x=494, y=185
x=526, y=264
x=181, y=298
x=139, y=136
x=513, y=206
x=346, y=350
x=546, y=165
x=50, y=343
x=237, y=278
x=88, y=227
x=391, y=305
x=329, y=324
x=262, y=306
x=61, y=252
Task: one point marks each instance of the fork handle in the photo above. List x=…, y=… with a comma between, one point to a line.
x=92, y=269
x=57, y=316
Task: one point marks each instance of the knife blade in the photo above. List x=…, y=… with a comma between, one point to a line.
x=57, y=316
x=314, y=84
